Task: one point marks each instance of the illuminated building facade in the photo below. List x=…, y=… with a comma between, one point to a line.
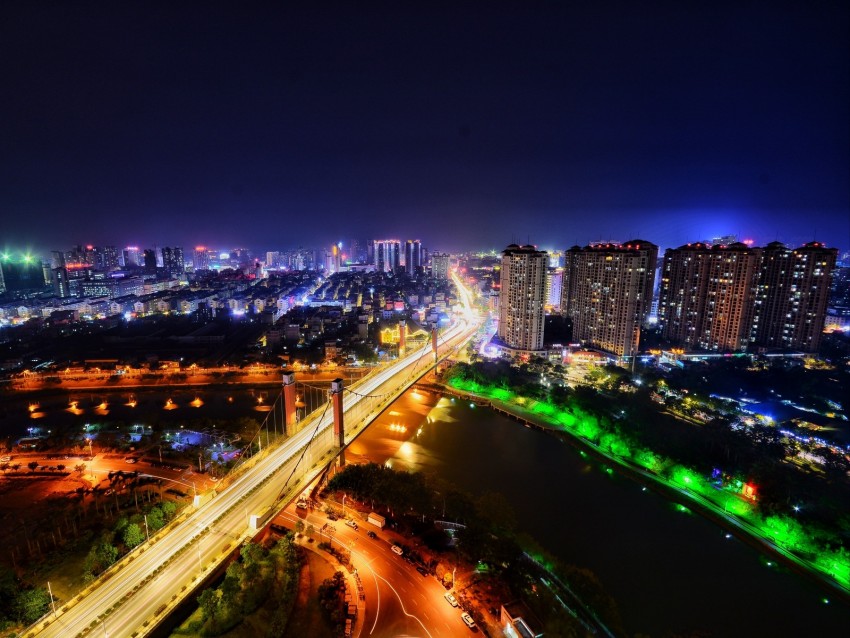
x=131, y=257
x=172, y=260
x=707, y=295
x=61, y=283
x=522, y=300
x=607, y=293
x=554, y=286
x=201, y=258
x=105, y=257
x=792, y=296
x=413, y=257
x=387, y=255
x=440, y=265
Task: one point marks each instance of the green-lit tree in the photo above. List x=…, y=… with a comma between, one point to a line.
x=133, y=535
x=168, y=509
x=31, y=604
x=155, y=519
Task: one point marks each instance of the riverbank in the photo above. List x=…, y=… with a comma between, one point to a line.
x=685, y=497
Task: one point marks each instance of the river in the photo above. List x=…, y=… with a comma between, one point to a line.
x=670, y=572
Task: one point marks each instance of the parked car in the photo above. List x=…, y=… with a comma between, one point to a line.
x=468, y=620
x=452, y=600
x=397, y=550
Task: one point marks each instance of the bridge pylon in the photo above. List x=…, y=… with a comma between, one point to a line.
x=339, y=428
x=289, y=398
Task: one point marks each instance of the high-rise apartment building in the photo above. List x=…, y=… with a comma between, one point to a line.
x=105, y=257
x=792, y=296
x=607, y=293
x=707, y=295
x=523, y=295
x=440, y=265
x=61, y=282
x=131, y=257
x=387, y=255
x=173, y=261
x=413, y=257
x=554, y=286
x=201, y=258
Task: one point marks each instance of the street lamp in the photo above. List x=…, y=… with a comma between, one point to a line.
x=90, y=449
x=343, y=505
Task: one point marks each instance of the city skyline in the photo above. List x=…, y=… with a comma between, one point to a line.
x=465, y=129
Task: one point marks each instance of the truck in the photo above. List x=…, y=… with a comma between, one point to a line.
x=376, y=519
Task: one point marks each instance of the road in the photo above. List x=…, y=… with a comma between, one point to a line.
x=399, y=600
x=136, y=591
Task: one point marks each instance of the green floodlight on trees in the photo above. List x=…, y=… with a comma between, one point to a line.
x=785, y=531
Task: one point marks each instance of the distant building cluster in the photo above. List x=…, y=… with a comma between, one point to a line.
x=92, y=281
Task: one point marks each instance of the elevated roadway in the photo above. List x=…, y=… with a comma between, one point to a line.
x=140, y=590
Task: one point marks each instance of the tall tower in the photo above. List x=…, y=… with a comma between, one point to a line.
x=792, y=296
x=387, y=255
x=607, y=292
x=523, y=286
x=412, y=257
x=200, y=258
x=707, y=295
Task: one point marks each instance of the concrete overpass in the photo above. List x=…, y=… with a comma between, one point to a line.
x=136, y=593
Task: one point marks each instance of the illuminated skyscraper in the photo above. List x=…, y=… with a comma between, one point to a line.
x=707, y=295
x=523, y=295
x=201, y=258
x=792, y=296
x=172, y=260
x=387, y=255
x=607, y=293
x=412, y=257
x=105, y=257
x=131, y=257
x=554, y=286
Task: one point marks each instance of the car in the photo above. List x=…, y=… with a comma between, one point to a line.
x=302, y=505
x=452, y=600
x=422, y=570
x=130, y=459
x=5, y=459
x=371, y=534
x=397, y=550
x=351, y=524
x=468, y=620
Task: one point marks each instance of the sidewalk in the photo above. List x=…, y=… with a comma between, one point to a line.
x=353, y=587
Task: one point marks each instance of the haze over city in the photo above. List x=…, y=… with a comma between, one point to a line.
x=388, y=319
x=275, y=127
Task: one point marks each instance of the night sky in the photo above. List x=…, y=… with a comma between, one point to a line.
x=467, y=127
